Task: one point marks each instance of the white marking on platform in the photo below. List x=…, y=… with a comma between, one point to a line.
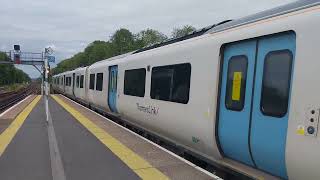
x=56, y=161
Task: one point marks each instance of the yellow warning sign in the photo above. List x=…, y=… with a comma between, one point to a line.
x=236, y=86
x=300, y=130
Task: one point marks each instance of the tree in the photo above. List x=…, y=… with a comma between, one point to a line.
x=148, y=37
x=9, y=74
x=185, y=30
x=98, y=50
x=122, y=41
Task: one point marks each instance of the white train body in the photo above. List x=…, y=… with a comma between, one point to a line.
x=193, y=125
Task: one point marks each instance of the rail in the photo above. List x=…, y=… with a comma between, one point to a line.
x=8, y=99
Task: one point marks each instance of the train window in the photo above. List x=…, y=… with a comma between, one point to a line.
x=99, y=83
x=81, y=81
x=78, y=81
x=92, y=79
x=68, y=81
x=171, y=83
x=236, y=83
x=134, y=82
x=276, y=83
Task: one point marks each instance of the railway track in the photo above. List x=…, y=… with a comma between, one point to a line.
x=8, y=99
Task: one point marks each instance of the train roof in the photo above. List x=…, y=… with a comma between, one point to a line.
x=112, y=58
x=224, y=25
x=280, y=10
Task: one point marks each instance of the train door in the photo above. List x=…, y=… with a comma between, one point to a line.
x=112, y=90
x=73, y=82
x=254, y=101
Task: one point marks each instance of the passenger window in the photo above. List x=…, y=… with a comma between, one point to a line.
x=92, y=80
x=134, y=82
x=81, y=81
x=99, y=83
x=236, y=83
x=171, y=83
x=276, y=83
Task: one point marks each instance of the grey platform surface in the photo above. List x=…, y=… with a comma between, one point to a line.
x=83, y=156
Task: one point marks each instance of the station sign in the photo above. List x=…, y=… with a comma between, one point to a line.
x=51, y=59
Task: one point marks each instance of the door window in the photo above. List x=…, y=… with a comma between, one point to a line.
x=276, y=83
x=236, y=82
x=112, y=80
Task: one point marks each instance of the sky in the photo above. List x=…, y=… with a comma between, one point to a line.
x=68, y=26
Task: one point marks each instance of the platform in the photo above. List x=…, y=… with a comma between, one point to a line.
x=79, y=144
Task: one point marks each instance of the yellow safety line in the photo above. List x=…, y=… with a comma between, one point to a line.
x=7, y=136
x=140, y=166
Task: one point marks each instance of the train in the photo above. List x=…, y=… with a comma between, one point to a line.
x=242, y=94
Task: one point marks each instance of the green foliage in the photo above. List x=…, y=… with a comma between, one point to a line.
x=121, y=42
x=149, y=37
x=9, y=74
x=185, y=30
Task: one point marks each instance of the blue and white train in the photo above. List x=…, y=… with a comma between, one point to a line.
x=243, y=94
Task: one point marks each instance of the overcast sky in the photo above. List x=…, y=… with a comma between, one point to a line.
x=69, y=25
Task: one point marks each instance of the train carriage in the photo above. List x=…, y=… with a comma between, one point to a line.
x=243, y=95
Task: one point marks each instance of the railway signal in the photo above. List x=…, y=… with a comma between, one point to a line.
x=17, y=59
x=35, y=59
